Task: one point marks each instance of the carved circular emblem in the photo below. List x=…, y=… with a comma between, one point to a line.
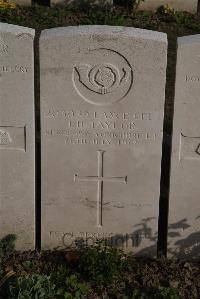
x=104, y=78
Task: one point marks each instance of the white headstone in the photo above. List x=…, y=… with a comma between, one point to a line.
x=102, y=101
x=184, y=213
x=182, y=5
x=17, y=144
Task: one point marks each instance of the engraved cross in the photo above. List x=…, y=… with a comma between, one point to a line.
x=100, y=179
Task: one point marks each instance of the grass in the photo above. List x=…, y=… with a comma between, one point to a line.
x=85, y=273
x=94, y=272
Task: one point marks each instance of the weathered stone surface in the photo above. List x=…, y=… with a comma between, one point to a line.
x=184, y=213
x=184, y=5
x=17, y=134
x=102, y=99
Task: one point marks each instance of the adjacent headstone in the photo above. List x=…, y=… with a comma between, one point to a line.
x=17, y=147
x=102, y=102
x=182, y=5
x=184, y=212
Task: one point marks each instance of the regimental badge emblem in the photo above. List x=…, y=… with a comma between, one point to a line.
x=104, y=78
